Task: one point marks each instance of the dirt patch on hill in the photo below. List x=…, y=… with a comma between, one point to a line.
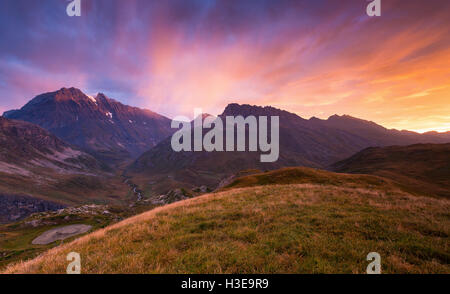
x=60, y=234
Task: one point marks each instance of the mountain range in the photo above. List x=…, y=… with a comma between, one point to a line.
x=70, y=131
x=109, y=130
x=313, y=143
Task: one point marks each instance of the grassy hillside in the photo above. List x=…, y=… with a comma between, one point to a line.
x=420, y=169
x=16, y=238
x=292, y=228
x=67, y=189
x=303, y=175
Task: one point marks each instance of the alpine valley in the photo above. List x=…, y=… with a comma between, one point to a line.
x=68, y=158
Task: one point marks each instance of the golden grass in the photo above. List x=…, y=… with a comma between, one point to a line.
x=305, y=175
x=295, y=228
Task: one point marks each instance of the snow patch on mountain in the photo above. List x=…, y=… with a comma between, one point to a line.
x=92, y=99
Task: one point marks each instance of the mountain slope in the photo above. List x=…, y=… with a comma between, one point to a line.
x=421, y=168
x=313, y=143
x=378, y=135
x=24, y=146
x=107, y=129
x=35, y=163
x=293, y=228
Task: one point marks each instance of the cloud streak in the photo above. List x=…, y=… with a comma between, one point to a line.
x=315, y=58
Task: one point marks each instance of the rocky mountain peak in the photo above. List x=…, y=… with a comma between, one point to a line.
x=74, y=94
x=235, y=109
x=347, y=121
x=102, y=126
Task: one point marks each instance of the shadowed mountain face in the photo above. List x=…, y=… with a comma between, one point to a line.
x=24, y=146
x=16, y=207
x=420, y=168
x=313, y=143
x=107, y=129
x=36, y=163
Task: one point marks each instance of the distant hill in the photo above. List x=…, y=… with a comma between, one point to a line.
x=312, y=227
x=312, y=143
x=421, y=168
x=107, y=129
x=378, y=135
x=304, y=175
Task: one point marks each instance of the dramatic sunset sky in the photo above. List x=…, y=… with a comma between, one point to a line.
x=314, y=58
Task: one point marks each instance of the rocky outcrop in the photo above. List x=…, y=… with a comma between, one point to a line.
x=70, y=214
x=17, y=207
x=171, y=196
x=201, y=189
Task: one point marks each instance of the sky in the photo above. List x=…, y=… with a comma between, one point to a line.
x=315, y=58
